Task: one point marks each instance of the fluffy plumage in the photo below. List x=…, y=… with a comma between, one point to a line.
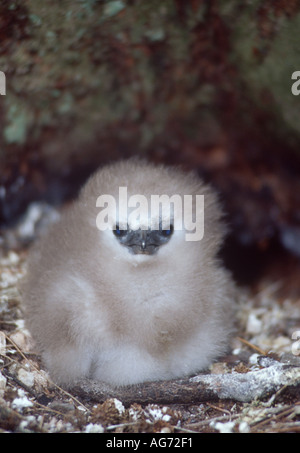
x=103, y=309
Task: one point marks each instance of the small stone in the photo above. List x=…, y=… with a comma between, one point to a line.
x=42, y=380
x=23, y=340
x=254, y=325
x=13, y=257
x=224, y=427
x=26, y=377
x=2, y=384
x=119, y=406
x=253, y=359
x=21, y=401
x=244, y=427
x=2, y=343
x=94, y=428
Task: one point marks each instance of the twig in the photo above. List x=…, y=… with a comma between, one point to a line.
x=36, y=369
x=21, y=384
x=274, y=396
x=220, y=409
x=213, y=420
x=288, y=428
x=10, y=360
x=244, y=387
x=252, y=346
x=185, y=430
x=121, y=425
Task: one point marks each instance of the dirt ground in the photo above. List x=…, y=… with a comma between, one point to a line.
x=267, y=324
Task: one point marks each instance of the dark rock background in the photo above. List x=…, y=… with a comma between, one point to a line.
x=203, y=84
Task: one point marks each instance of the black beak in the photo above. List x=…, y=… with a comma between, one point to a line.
x=143, y=242
x=140, y=241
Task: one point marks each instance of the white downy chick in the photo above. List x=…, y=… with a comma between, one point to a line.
x=134, y=300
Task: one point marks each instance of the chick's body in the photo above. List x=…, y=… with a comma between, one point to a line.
x=96, y=309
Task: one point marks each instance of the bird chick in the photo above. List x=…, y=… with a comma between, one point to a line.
x=125, y=295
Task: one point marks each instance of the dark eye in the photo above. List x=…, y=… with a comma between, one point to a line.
x=168, y=232
x=118, y=232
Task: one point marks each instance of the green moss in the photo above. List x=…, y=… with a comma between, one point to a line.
x=266, y=66
x=66, y=103
x=95, y=64
x=18, y=121
x=113, y=7
x=36, y=20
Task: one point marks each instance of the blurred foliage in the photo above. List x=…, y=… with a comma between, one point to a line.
x=206, y=84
